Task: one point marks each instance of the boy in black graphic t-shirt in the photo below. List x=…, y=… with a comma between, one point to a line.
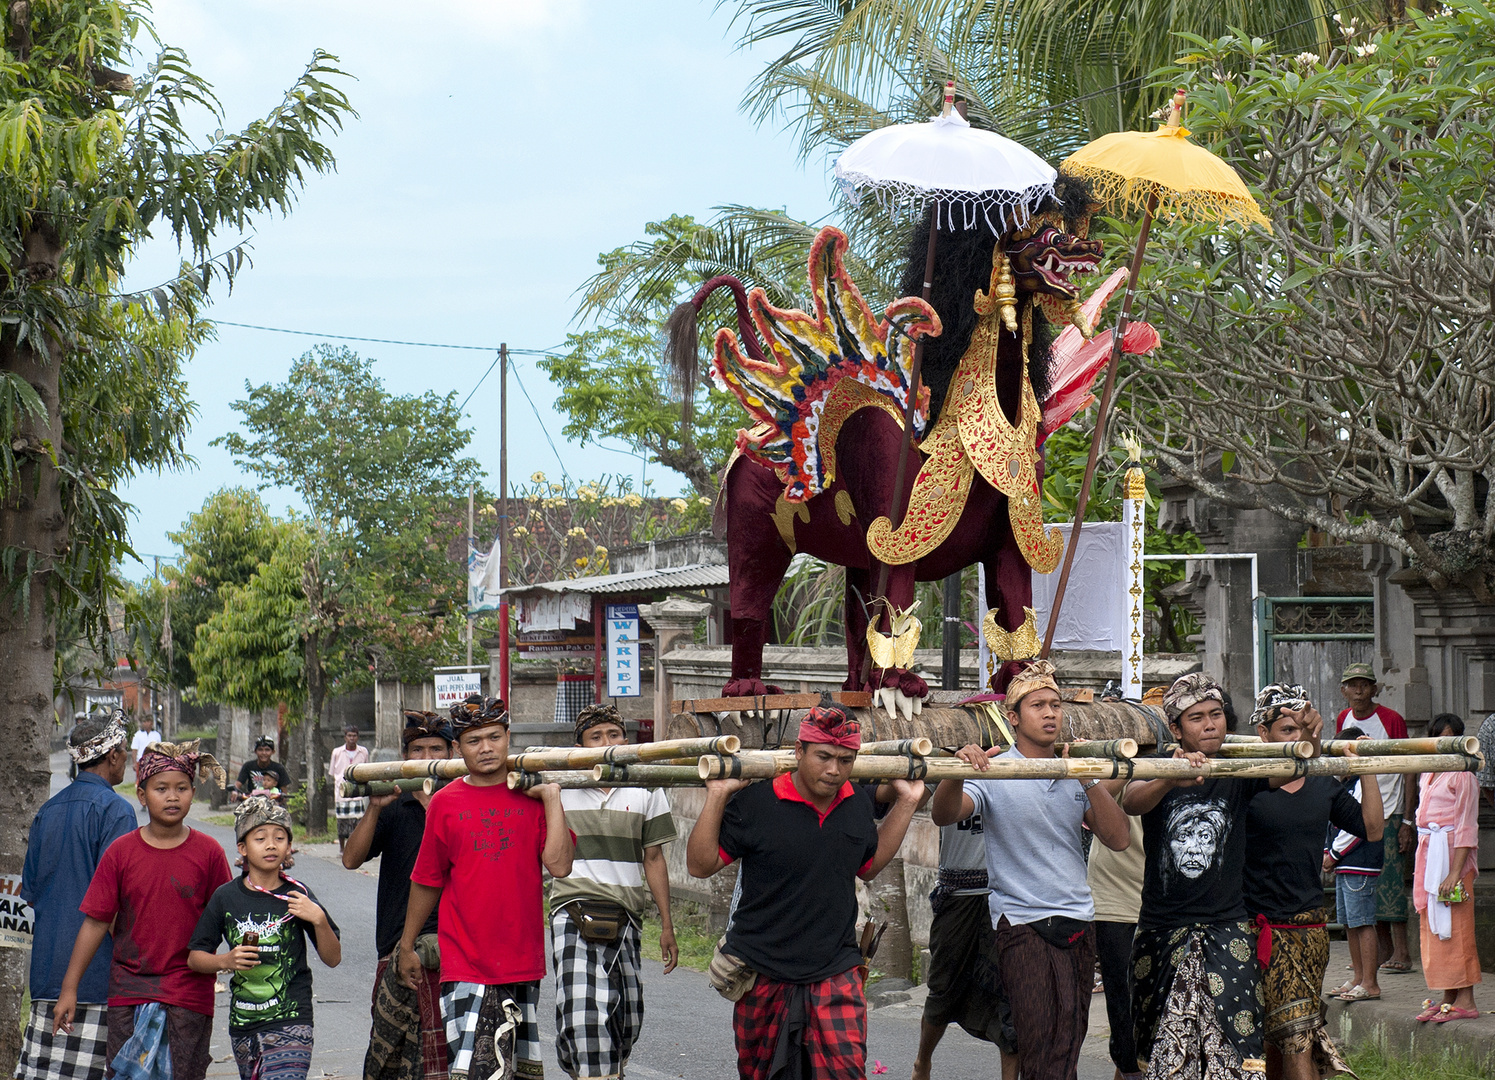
x=265, y=917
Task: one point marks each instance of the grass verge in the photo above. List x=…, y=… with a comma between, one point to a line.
x=1371, y=1063
x=691, y=937
x=298, y=831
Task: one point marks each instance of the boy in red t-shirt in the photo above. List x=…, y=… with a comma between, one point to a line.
x=1358, y=686
x=153, y=884
x=481, y=856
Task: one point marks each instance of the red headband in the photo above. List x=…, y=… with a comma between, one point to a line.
x=832, y=725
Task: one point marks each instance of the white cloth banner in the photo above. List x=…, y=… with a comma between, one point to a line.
x=554, y=611
x=482, y=578
x=1094, y=611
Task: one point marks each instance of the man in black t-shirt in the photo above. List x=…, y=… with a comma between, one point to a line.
x=1285, y=897
x=263, y=774
x=391, y=831
x=1195, y=976
x=803, y=840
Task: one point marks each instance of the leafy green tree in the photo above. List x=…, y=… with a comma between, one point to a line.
x=1338, y=371
x=250, y=650
x=379, y=473
x=91, y=390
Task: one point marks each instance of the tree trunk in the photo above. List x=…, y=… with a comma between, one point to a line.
x=887, y=902
x=33, y=528
x=311, y=722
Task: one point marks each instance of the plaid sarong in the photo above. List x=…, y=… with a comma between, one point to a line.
x=79, y=1056
x=599, y=998
x=826, y=1021
x=408, y=1039
x=475, y=1015
x=350, y=809
x=573, y=693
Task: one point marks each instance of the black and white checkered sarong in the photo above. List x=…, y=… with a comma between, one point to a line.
x=599, y=998
x=471, y=1030
x=79, y=1056
x=573, y=693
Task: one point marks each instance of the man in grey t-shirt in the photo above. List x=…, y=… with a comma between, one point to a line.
x=1040, y=903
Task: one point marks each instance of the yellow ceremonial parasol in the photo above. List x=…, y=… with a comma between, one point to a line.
x=1158, y=172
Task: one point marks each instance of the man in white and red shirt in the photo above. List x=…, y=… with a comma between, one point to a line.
x=1359, y=687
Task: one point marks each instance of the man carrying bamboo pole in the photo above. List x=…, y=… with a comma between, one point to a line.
x=803, y=839
x=1196, y=1009
x=597, y=912
x=1285, y=830
x=408, y=1040
x=481, y=856
x=1040, y=902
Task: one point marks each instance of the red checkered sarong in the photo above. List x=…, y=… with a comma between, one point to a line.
x=834, y=1033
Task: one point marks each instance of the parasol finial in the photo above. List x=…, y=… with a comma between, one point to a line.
x=1176, y=114
x=949, y=97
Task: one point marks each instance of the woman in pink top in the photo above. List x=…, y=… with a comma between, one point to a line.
x=1447, y=814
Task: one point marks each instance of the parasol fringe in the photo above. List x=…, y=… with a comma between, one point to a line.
x=1126, y=195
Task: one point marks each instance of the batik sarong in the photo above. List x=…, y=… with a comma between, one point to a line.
x=277, y=1052
x=775, y=1023
x=599, y=998
x=482, y=1020
x=1196, y=1002
x=408, y=1039
x=1391, y=886
x=1296, y=952
x=76, y=1056
x=964, y=980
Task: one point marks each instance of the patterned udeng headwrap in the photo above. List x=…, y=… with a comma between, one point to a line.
x=1277, y=698
x=1036, y=676
x=478, y=712
x=832, y=724
x=113, y=735
x=424, y=725
x=183, y=757
x=1189, y=690
x=593, y=715
x=256, y=811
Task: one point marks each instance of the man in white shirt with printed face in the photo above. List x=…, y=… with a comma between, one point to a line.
x=143, y=737
x=597, y=912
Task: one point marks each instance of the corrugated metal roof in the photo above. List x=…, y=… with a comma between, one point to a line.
x=698, y=576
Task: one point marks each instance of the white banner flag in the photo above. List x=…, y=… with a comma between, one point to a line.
x=482, y=579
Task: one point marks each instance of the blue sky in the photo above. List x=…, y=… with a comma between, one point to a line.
x=501, y=145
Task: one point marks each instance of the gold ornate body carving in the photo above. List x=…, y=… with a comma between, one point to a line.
x=973, y=434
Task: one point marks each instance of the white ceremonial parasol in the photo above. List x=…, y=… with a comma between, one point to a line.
x=960, y=172
x=964, y=176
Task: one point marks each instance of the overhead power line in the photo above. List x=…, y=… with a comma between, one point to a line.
x=384, y=341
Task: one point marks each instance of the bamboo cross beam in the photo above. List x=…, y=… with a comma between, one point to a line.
x=1102, y=748
x=1261, y=750
x=439, y=768
x=519, y=780
x=765, y=766
x=584, y=757
x=647, y=775
x=1448, y=744
x=376, y=788
x=918, y=747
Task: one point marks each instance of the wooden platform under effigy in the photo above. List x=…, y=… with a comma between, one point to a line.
x=948, y=718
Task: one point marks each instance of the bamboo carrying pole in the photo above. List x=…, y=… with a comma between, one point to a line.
x=1448, y=744
x=1270, y=750
x=647, y=775
x=919, y=747
x=1104, y=748
x=519, y=780
x=764, y=766
x=391, y=787
x=560, y=758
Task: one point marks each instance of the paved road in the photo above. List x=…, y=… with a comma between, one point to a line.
x=687, y=1028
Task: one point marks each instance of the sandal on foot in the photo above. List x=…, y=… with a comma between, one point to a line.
x=1397, y=967
x=1449, y=1012
x=1343, y=988
x=1359, y=993
x=1429, y=1010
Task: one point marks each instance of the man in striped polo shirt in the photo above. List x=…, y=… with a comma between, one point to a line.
x=596, y=913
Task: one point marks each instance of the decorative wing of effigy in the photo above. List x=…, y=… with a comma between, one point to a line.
x=793, y=394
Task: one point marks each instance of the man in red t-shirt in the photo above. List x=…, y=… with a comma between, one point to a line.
x=481, y=856
x=1359, y=688
x=152, y=885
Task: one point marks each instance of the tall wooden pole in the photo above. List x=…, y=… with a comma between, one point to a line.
x=503, y=520
x=1100, y=422
x=471, y=545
